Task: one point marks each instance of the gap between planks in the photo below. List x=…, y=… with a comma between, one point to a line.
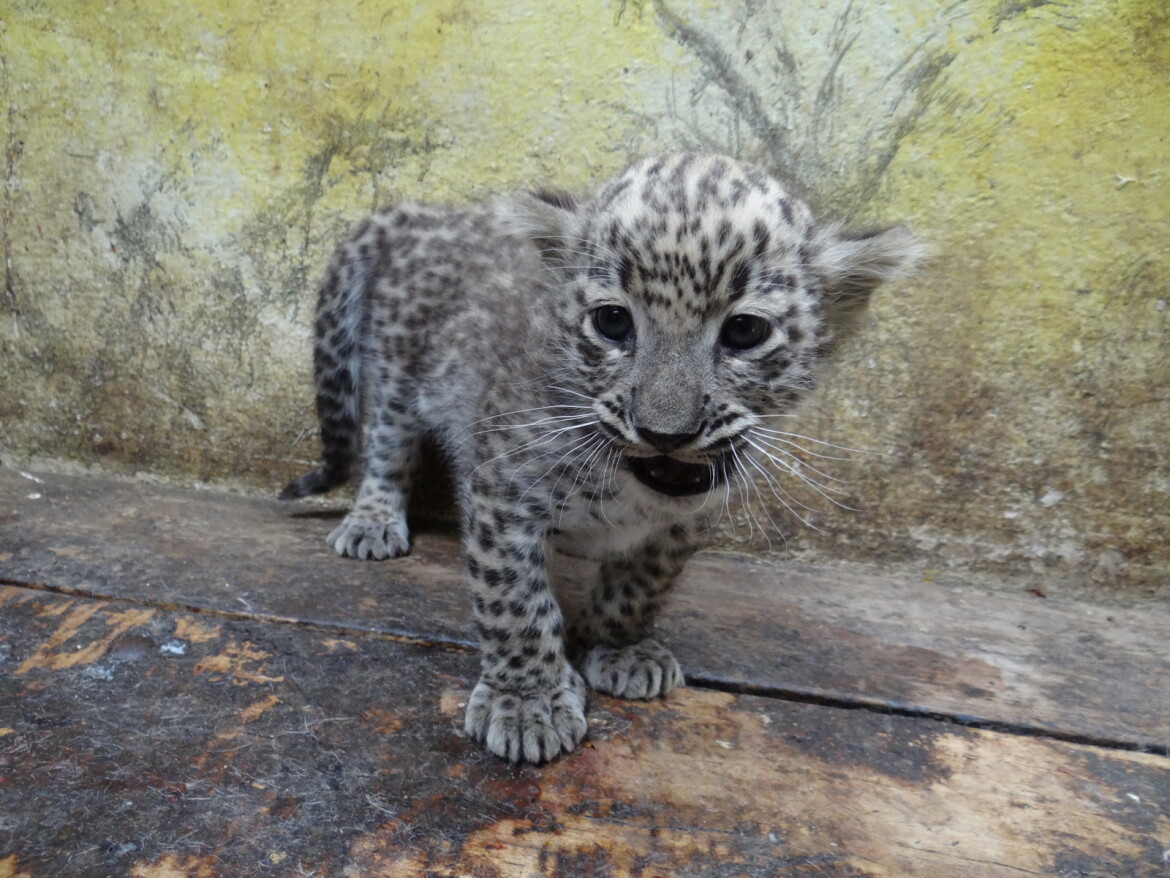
x=694, y=681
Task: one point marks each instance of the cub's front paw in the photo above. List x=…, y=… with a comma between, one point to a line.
x=533, y=726
x=370, y=538
x=640, y=670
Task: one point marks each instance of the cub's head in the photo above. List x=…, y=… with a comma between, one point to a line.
x=696, y=295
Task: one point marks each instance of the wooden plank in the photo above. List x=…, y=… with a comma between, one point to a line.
x=151, y=743
x=216, y=551
x=1056, y=666
x=1070, y=669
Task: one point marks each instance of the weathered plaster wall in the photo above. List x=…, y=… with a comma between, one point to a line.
x=175, y=176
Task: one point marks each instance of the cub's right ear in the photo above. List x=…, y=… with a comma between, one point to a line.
x=548, y=217
x=852, y=265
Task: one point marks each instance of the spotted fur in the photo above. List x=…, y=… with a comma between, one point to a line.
x=600, y=372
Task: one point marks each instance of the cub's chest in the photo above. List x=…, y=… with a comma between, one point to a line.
x=614, y=526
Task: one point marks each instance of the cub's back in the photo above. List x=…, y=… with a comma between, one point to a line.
x=446, y=287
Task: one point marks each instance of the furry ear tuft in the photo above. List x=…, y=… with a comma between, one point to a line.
x=853, y=265
x=545, y=216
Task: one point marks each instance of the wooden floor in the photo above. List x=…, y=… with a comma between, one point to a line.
x=193, y=685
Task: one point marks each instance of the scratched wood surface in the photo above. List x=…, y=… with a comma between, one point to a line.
x=1073, y=670
x=137, y=741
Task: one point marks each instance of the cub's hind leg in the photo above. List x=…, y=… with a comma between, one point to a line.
x=375, y=528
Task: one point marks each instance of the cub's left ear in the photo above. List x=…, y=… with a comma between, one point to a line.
x=851, y=266
x=547, y=217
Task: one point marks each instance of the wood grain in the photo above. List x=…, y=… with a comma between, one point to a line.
x=155, y=743
x=1072, y=670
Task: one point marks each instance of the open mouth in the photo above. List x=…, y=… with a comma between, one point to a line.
x=675, y=478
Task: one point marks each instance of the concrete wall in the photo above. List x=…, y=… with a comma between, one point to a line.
x=175, y=175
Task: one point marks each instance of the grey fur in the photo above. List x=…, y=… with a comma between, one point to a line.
x=500, y=331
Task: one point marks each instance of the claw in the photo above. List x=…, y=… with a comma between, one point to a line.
x=641, y=670
x=531, y=727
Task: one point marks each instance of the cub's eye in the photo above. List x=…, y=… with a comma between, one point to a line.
x=614, y=322
x=744, y=331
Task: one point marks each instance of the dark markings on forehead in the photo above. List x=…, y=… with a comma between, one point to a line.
x=679, y=172
x=761, y=239
x=709, y=182
x=724, y=232
x=610, y=193
x=712, y=190
x=786, y=211
x=600, y=270
x=777, y=280
x=655, y=228
x=806, y=255
x=625, y=271
x=557, y=198
x=654, y=299
x=739, y=281
x=739, y=189
x=729, y=258
x=618, y=240
x=705, y=277
x=760, y=181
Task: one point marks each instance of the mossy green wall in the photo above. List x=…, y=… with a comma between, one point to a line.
x=175, y=175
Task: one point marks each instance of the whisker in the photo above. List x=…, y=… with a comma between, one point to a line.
x=710, y=492
x=727, y=493
x=763, y=506
x=528, y=445
x=582, y=419
x=777, y=490
x=797, y=466
x=572, y=393
x=610, y=453
x=581, y=471
x=573, y=449
x=593, y=248
x=539, y=408
x=812, y=483
x=777, y=442
x=787, y=437
x=610, y=477
x=741, y=476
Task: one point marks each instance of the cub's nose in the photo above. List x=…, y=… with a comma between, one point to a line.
x=667, y=442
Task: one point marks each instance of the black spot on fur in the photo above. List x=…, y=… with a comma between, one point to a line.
x=724, y=232
x=557, y=198
x=625, y=273
x=739, y=282
x=761, y=239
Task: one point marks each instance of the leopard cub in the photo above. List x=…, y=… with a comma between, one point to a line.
x=601, y=372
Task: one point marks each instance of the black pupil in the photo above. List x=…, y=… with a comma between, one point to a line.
x=614, y=322
x=744, y=331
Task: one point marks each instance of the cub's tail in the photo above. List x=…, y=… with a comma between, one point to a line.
x=337, y=357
